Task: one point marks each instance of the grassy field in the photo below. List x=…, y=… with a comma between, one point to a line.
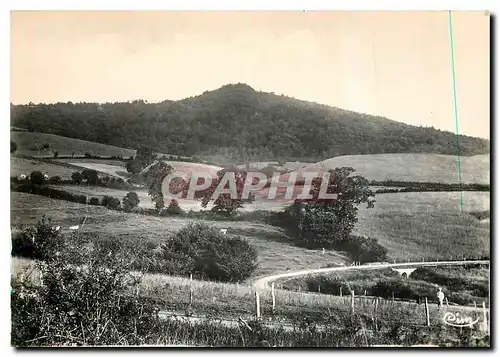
x=276, y=253
x=411, y=167
x=412, y=226
x=65, y=146
x=429, y=225
x=20, y=165
x=110, y=168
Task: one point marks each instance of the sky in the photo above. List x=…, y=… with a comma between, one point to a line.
x=392, y=64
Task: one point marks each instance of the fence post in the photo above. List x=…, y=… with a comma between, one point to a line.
x=190, y=289
x=340, y=291
x=427, y=313
x=446, y=299
x=319, y=288
x=352, y=301
x=365, y=292
x=485, y=318
x=273, y=296
x=257, y=305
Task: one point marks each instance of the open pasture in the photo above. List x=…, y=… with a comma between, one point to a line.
x=27, y=142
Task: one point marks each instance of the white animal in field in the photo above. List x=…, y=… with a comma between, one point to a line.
x=46, y=177
x=323, y=250
x=74, y=227
x=21, y=177
x=224, y=231
x=57, y=228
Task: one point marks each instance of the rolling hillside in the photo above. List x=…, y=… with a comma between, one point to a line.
x=235, y=123
x=27, y=141
x=409, y=167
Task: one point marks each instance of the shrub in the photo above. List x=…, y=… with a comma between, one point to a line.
x=56, y=154
x=130, y=201
x=138, y=210
x=94, y=201
x=205, y=252
x=364, y=249
x=111, y=202
x=76, y=177
x=13, y=147
x=55, y=180
x=38, y=242
x=174, y=208
x=105, y=179
x=90, y=176
x=81, y=306
x=36, y=177
x=88, y=155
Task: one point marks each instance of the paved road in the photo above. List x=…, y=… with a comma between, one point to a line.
x=263, y=283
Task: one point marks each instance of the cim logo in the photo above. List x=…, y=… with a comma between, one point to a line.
x=454, y=319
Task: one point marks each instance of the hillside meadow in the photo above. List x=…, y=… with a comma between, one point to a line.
x=26, y=144
x=276, y=252
x=20, y=165
x=430, y=225
x=412, y=226
x=409, y=167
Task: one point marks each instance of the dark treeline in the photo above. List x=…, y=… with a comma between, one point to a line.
x=236, y=122
x=409, y=186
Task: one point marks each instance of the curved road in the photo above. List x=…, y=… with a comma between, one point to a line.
x=263, y=283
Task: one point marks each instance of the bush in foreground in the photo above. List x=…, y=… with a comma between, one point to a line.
x=81, y=306
x=38, y=242
x=208, y=254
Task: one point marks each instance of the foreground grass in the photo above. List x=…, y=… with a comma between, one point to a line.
x=231, y=301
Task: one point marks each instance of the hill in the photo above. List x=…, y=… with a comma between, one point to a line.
x=235, y=123
x=409, y=167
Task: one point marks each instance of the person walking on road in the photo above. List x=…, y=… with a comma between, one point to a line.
x=440, y=296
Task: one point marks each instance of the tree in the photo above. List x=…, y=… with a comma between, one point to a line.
x=225, y=204
x=144, y=157
x=174, y=208
x=328, y=222
x=90, y=176
x=13, y=147
x=36, y=177
x=76, y=177
x=130, y=201
x=154, y=177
